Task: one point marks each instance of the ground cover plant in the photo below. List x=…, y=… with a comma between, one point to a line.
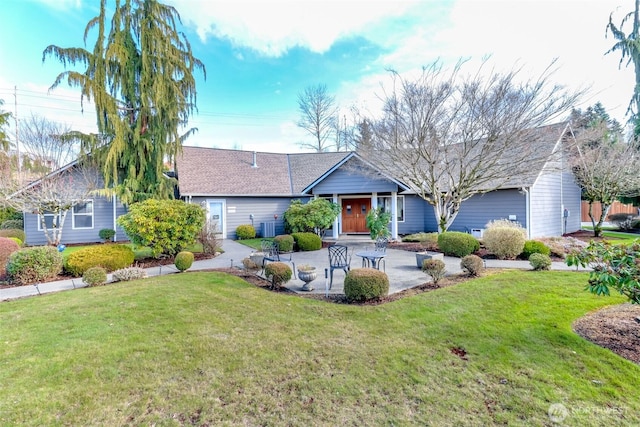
x=207, y=348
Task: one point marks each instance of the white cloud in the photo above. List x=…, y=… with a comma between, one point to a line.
x=272, y=28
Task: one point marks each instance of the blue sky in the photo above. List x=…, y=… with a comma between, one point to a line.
x=260, y=54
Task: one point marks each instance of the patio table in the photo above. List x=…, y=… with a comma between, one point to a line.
x=372, y=257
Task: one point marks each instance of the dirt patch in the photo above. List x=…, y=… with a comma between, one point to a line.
x=616, y=328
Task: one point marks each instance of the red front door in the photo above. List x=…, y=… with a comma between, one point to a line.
x=354, y=214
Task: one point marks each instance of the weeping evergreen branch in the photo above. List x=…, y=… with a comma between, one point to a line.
x=140, y=76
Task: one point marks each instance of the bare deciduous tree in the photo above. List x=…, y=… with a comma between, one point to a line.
x=317, y=116
x=47, y=145
x=53, y=196
x=604, y=168
x=450, y=137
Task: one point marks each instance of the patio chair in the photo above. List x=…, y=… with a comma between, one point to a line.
x=380, y=246
x=339, y=258
x=272, y=254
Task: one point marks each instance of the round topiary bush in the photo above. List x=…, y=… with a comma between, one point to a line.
x=455, y=243
x=472, y=265
x=184, y=260
x=7, y=247
x=534, y=247
x=245, y=231
x=107, y=234
x=111, y=257
x=540, y=262
x=504, y=242
x=363, y=284
x=285, y=242
x=13, y=232
x=435, y=268
x=278, y=273
x=33, y=265
x=307, y=241
x=95, y=276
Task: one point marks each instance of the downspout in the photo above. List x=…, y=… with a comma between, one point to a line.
x=527, y=208
x=113, y=203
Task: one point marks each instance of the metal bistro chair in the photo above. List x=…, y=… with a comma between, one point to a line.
x=272, y=254
x=381, y=246
x=339, y=258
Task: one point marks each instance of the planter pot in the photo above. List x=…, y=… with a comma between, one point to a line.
x=257, y=257
x=421, y=256
x=307, y=276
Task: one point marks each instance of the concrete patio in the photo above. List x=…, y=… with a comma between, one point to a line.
x=400, y=266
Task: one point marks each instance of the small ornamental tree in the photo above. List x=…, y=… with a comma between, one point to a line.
x=316, y=216
x=378, y=222
x=614, y=266
x=166, y=226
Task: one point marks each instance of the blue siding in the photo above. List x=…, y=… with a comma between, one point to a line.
x=346, y=182
x=102, y=218
x=480, y=209
x=239, y=209
x=416, y=211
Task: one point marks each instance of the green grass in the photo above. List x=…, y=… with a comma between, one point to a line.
x=254, y=243
x=207, y=348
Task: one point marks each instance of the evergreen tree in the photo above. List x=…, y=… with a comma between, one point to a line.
x=629, y=47
x=140, y=76
x=4, y=121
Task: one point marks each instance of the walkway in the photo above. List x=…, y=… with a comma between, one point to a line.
x=400, y=266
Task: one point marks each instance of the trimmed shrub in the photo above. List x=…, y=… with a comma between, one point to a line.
x=15, y=239
x=7, y=247
x=184, y=260
x=95, y=276
x=165, y=226
x=128, y=273
x=434, y=268
x=504, y=242
x=278, y=273
x=13, y=232
x=473, y=265
x=285, y=242
x=540, y=261
x=457, y=244
x=624, y=221
x=36, y=264
x=250, y=265
x=363, y=284
x=245, y=231
x=307, y=241
x=107, y=234
x=7, y=214
x=17, y=224
x=315, y=216
x=534, y=247
x=111, y=257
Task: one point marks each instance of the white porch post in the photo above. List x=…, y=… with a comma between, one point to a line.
x=336, y=224
x=394, y=215
x=374, y=200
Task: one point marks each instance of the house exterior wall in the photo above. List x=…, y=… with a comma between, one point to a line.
x=482, y=208
x=102, y=218
x=346, y=182
x=239, y=209
x=550, y=195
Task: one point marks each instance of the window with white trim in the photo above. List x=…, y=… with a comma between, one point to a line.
x=82, y=215
x=50, y=219
x=384, y=203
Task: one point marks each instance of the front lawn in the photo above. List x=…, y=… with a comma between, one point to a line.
x=207, y=348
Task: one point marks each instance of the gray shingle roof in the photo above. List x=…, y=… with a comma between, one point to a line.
x=211, y=171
